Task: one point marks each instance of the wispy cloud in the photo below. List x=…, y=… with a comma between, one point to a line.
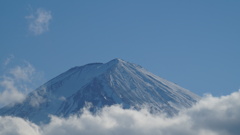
x=211, y=116
x=36, y=99
x=10, y=93
x=17, y=82
x=8, y=60
x=23, y=73
x=39, y=21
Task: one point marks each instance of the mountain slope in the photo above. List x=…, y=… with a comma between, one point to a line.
x=115, y=82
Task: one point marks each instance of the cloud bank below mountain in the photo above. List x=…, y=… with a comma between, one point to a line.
x=211, y=116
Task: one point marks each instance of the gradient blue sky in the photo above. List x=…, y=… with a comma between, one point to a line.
x=195, y=44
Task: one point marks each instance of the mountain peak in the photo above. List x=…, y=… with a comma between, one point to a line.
x=116, y=61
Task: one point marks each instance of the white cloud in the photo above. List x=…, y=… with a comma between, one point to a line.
x=211, y=116
x=37, y=98
x=17, y=82
x=17, y=126
x=10, y=93
x=23, y=73
x=39, y=21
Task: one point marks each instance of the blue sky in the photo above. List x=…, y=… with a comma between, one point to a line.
x=192, y=43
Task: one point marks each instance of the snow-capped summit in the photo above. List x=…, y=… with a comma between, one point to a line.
x=116, y=61
x=115, y=82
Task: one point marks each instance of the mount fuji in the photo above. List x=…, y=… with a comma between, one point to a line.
x=102, y=84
